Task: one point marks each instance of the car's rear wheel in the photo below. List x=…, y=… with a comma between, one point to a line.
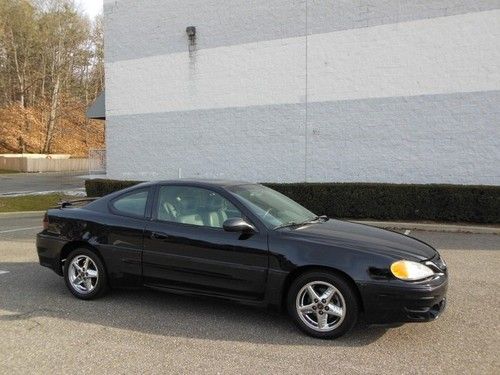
x=85, y=275
x=323, y=304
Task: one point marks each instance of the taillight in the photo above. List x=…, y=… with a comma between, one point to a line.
x=46, y=221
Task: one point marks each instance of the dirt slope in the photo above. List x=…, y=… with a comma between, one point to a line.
x=74, y=133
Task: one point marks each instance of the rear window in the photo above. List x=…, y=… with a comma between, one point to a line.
x=132, y=204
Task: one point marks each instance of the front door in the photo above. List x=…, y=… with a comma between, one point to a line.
x=186, y=247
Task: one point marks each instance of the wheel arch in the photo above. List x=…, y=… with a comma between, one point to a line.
x=299, y=271
x=70, y=246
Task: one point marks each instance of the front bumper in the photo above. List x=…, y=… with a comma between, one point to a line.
x=389, y=303
x=49, y=252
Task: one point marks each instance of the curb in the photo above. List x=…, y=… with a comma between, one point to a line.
x=445, y=228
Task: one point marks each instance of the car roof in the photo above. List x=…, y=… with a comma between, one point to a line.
x=101, y=203
x=200, y=182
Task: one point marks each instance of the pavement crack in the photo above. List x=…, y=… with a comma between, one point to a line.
x=37, y=324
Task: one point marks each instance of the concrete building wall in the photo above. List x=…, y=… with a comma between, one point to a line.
x=283, y=91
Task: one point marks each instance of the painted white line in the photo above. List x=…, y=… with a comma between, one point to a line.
x=19, y=229
x=76, y=192
x=407, y=232
x=3, y=272
x=14, y=193
x=21, y=213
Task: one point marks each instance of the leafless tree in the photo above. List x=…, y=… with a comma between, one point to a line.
x=51, y=57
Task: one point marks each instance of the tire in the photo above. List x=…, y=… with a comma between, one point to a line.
x=341, y=309
x=85, y=282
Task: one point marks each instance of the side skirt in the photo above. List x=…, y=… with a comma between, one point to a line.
x=221, y=296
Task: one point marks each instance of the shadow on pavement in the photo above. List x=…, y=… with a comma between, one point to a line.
x=29, y=291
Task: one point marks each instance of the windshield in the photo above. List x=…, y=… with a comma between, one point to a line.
x=273, y=208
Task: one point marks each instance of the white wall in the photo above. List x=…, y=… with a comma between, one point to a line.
x=413, y=101
x=433, y=56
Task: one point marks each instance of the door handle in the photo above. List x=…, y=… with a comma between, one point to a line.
x=158, y=236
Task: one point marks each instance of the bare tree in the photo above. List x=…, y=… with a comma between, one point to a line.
x=51, y=57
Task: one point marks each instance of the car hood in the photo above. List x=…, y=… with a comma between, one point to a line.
x=360, y=237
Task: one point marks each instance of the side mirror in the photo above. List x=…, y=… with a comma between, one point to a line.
x=237, y=224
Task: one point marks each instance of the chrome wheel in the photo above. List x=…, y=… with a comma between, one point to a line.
x=83, y=274
x=320, y=306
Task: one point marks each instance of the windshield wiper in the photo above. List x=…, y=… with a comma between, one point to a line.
x=295, y=224
x=321, y=217
x=284, y=225
x=315, y=219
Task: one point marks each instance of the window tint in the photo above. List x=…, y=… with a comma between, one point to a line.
x=195, y=206
x=132, y=204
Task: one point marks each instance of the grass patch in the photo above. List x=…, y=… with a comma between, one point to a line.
x=31, y=202
x=8, y=171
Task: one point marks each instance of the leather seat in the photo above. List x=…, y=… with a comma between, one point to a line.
x=191, y=209
x=216, y=218
x=167, y=212
x=215, y=214
x=188, y=210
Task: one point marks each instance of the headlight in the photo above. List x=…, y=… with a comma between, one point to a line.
x=410, y=271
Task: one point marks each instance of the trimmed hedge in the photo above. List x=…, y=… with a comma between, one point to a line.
x=102, y=187
x=453, y=203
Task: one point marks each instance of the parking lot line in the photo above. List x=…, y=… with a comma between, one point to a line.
x=3, y=272
x=19, y=229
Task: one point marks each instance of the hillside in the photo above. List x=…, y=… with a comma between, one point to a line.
x=74, y=133
x=51, y=68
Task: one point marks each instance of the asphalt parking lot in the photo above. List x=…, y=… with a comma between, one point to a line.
x=45, y=330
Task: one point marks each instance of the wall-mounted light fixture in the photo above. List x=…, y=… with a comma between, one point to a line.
x=191, y=32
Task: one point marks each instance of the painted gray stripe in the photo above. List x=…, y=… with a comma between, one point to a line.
x=136, y=29
x=208, y=142
x=452, y=138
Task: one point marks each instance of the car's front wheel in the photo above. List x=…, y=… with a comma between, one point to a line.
x=323, y=304
x=84, y=274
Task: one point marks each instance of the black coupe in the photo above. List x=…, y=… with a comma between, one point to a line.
x=248, y=243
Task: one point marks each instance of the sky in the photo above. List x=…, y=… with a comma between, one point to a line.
x=91, y=7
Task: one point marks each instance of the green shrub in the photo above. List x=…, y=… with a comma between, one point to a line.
x=102, y=187
x=454, y=203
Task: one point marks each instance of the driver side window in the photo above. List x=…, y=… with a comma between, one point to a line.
x=194, y=206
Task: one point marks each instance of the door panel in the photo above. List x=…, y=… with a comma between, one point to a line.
x=187, y=248
x=205, y=259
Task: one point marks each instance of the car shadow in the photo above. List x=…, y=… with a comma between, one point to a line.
x=29, y=291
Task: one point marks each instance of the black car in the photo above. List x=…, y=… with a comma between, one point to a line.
x=244, y=242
